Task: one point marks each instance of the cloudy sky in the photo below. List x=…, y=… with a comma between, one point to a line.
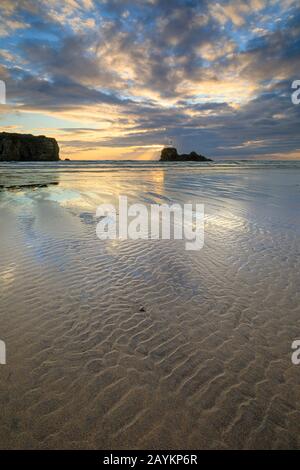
x=120, y=79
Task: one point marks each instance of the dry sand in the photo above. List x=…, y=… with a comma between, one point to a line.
x=206, y=365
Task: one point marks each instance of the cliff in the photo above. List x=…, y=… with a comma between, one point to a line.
x=27, y=148
x=169, y=154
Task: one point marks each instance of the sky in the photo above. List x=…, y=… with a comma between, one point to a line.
x=119, y=79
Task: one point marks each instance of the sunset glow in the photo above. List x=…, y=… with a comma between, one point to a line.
x=119, y=79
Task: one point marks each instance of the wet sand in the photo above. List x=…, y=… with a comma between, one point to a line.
x=205, y=364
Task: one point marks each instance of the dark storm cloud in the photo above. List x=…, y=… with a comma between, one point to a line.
x=62, y=93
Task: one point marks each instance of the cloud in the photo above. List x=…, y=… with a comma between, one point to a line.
x=213, y=76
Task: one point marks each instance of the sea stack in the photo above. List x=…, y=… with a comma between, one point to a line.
x=170, y=154
x=27, y=148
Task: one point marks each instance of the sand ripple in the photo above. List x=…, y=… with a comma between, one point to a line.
x=206, y=365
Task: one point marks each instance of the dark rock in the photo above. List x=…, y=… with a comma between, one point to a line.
x=27, y=148
x=169, y=154
x=142, y=309
x=21, y=187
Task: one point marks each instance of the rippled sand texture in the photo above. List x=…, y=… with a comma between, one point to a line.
x=206, y=365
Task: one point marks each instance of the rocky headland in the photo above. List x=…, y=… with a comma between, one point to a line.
x=170, y=154
x=27, y=148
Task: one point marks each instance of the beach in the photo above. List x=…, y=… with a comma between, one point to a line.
x=141, y=344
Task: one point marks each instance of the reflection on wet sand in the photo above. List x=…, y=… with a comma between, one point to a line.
x=142, y=344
